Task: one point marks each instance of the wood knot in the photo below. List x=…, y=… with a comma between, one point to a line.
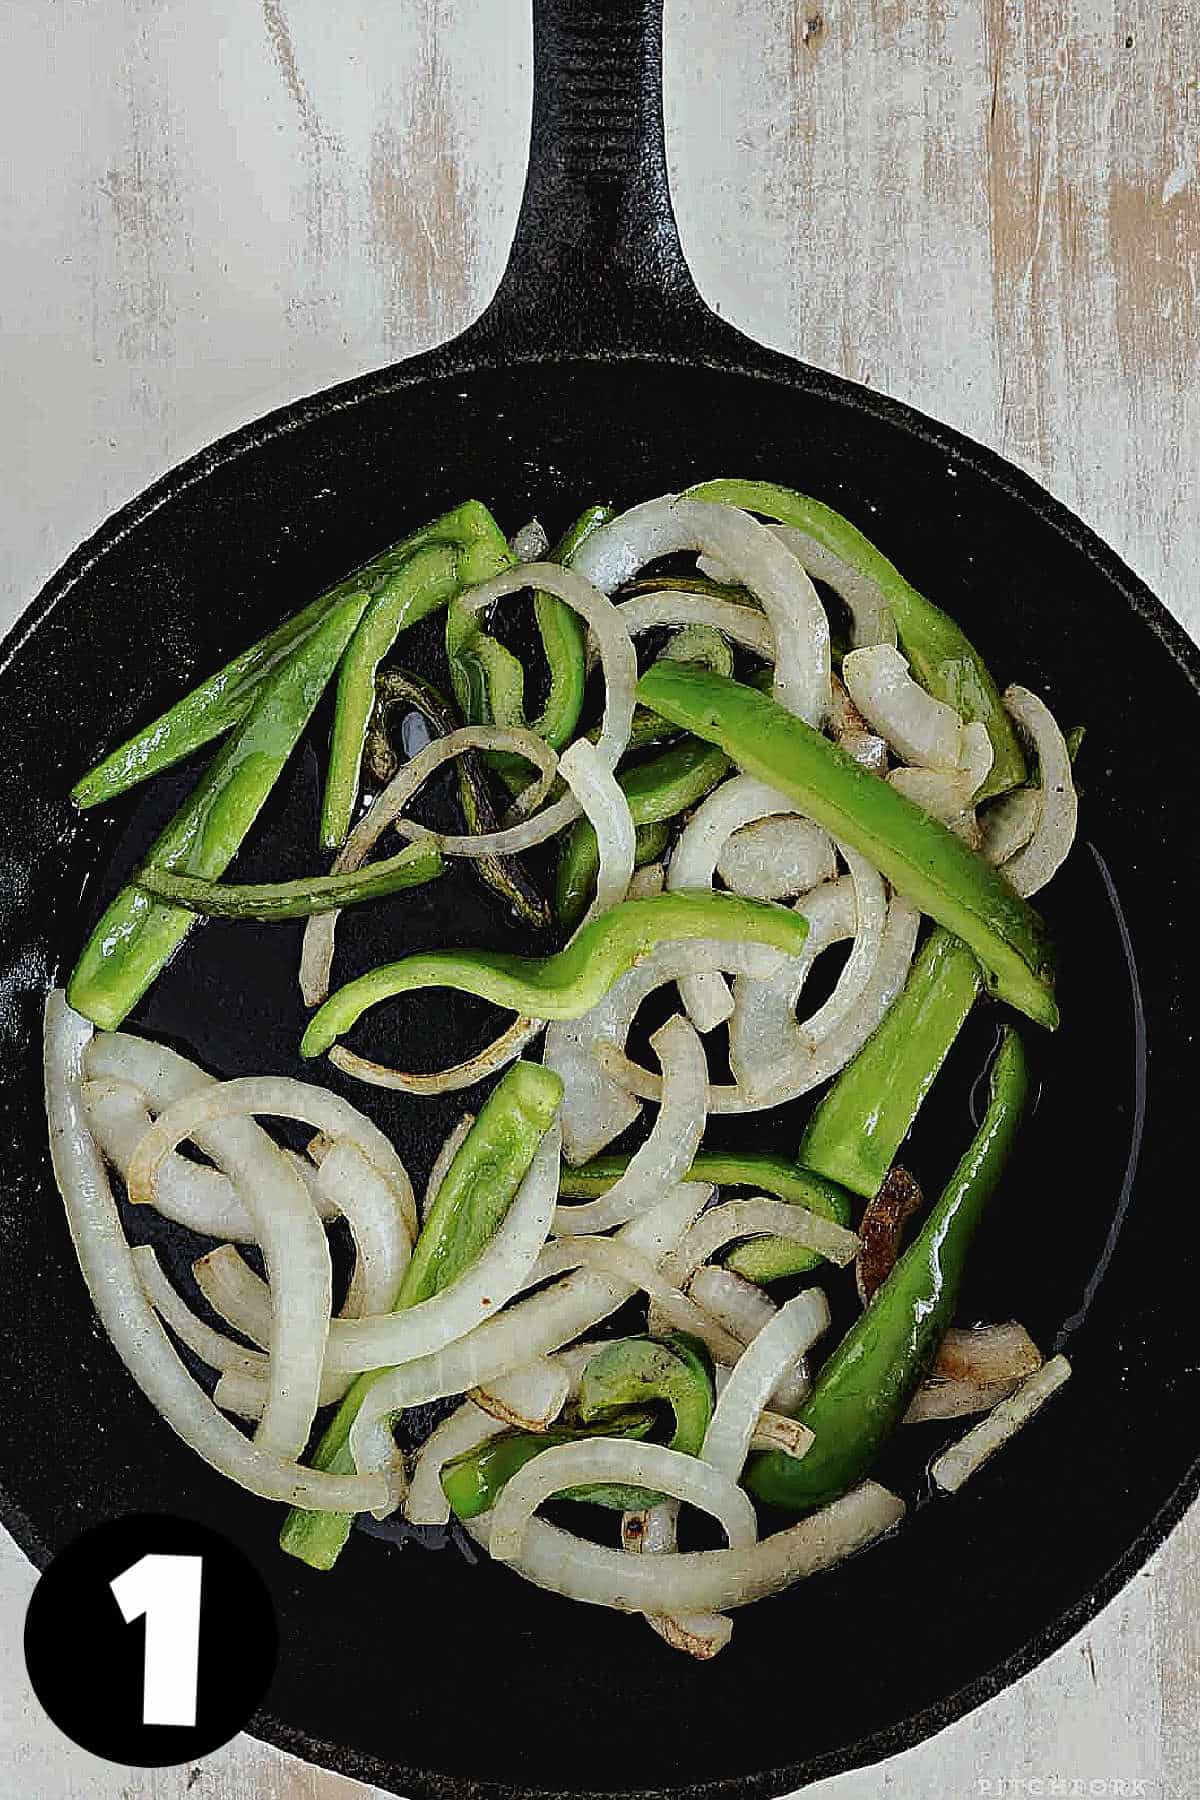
x=813, y=29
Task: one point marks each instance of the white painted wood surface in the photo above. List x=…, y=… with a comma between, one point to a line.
x=990, y=208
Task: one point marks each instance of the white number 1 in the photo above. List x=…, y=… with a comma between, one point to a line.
x=166, y=1590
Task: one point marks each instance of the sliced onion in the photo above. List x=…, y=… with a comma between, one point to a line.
x=654, y=1533
x=293, y=1246
x=851, y=731
x=1009, y=823
x=617, y=1261
x=494, y=1056
x=533, y=1328
x=603, y=801
x=617, y=1460
x=667, y=1154
x=235, y=1293
x=737, y=802
x=244, y=1392
x=941, y=1400
x=463, y=1431
x=1031, y=868
x=699, y=1580
x=986, y=1353
x=595, y=1107
x=976, y=754
x=498, y=1272
x=161, y=1076
x=763, y=1032
x=615, y=553
x=956, y=1465
x=230, y=1105
x=127, y=1315
x=870, y=916
x=382, y=1239
x=776, y=858
x=773, y=1057
x=943, y=793
x=775, y=1431
x=788, y=1336
x=316, y=954
x=741, y=1307
x=743, y=625
x=451, y=1145
x=530, y=543
x=644, y=883
x=212, y=1347
x=919, y=728
x=759, y=1217
x=529, y=1399
x=863, y=598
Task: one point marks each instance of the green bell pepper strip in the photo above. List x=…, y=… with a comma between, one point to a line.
x=943, y=658
x=416, y=863
x=760, y=1259
x=489, y=681
x=567, y=984
x=210, y=709
x=137, y=934
x=856, y=1130
x=649, y=842
x=919, y=855
x=863, y=1390
x=429, y=579
x=474, y=1197
x=674, y=1370
x=657, y=790
x=472, y=1483
x=505, y=875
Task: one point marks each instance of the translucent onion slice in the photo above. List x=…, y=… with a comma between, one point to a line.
x=870, y=916
x=776, y=858
x=737, y=802
x=773, y=1057
x=976, y=755
x=530, y=543
x=463, y=1431
x=654, y=1532
x=382, y=1239
x=919, y=728
x=763, y=1030
x=451, y=1145
x=666, y=1156
x=699, y=1580
x=863, y=599
x=943, y=793
x=741, y=1307
x=235, y=1293
x=956, y=1465
x=850, y=730
x=291, y=1237
x=245, y=1393
x=1009, y=823
x=752, y=556
x=616, y=1260
x=532, y=1328
x=603, y=801
x=499, y=1272
x=494, y=1056
x=941, y=1400
x=759, y=1217
x=789, y=1335
x=1032, y=867
x=683, y=1477
x=595, y=1107
x=531, y=1398
x=126, y=1314
x=320, y=933
x=212, y=1347
x=984, y=1353
x=743, y=625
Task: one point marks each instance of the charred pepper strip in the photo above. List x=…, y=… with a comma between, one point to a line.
x=657, y=790
x=474, y=1197
x=920, y=857
x=415, y=864
x=137, y=933
x=505, y=875
x=943, y=658
x=759, y=1259
x=857, y=1129
x=863, y=1389
x=427, y=580
x=220, y=702
x=565, y=985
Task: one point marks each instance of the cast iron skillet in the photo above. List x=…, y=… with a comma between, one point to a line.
x=598, y=372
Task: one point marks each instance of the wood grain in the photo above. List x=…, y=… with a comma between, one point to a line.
x=990, y=208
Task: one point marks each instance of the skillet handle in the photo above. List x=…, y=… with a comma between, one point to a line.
x=596, y=262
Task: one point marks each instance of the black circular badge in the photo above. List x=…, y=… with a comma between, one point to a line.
x=150, y=1640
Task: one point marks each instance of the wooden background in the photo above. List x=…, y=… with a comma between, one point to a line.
x=989, y=208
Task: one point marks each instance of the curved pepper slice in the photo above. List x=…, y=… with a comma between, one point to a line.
x=472, y=1483
x=943, y=658
x=921, y=858
x=863, y=1389
x=568, y=984
x=298, y=899
x=675, y=1370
